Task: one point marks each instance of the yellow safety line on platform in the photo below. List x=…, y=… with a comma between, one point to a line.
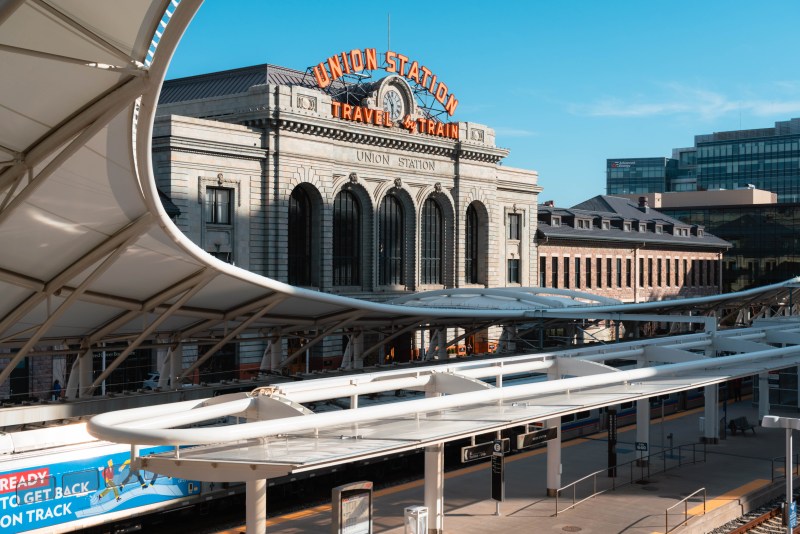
x=732, y=495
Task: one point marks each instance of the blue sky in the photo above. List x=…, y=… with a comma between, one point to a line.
x=565, y=84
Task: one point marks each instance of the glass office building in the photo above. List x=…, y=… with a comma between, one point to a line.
x=764, y=158
x=767, y=158
x=765, y=239
x=639, y=175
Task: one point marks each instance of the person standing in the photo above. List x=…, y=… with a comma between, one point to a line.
x=56, y=390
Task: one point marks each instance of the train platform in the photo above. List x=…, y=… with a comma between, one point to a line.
x=737, y=475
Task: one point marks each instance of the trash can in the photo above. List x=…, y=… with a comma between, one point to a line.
x=416, y=520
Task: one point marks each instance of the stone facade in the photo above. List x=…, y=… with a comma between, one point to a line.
x=262, y=144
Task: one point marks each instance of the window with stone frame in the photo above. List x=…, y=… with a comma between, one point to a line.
x=513, y=271
x=432, y=243
x=471, y=246
x=299, y=238
x=346, y=240
x=391, y=242
x=218, y=218
x=514, y=226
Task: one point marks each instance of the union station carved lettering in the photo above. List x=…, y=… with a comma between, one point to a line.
x=402, y=162
x=414, y=163
x=372, y=157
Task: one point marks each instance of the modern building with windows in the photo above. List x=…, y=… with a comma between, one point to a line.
x=369, y=197
x=639, y=175
x=765, y=235
x=763, y=158
x=613, y=247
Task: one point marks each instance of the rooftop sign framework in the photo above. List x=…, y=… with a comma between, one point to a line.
x=356, y=61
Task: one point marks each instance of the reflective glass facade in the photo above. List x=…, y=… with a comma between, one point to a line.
x=765, y=238
x=770, y=163
x=764, y=158
x=639, y=175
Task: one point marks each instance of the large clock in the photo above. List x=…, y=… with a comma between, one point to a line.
x=393, y=104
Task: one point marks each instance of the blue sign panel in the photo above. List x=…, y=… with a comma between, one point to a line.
x=47, y=495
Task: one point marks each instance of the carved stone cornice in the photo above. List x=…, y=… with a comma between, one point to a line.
x=206, y=147
x=396, y=139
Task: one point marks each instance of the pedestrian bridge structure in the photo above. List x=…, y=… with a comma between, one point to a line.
x=92, y=258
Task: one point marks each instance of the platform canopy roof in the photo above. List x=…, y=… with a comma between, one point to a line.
x=90, y=256
x=275, y=434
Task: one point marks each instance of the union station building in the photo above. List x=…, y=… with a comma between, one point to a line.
x=357, y=189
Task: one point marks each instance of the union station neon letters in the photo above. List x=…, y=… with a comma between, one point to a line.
x=358, y=60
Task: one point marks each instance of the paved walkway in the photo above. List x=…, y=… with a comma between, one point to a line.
x=736, y=470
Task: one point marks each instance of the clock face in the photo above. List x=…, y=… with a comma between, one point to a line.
x=393, y=104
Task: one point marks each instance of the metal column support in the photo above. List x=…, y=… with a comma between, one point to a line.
x=73, y=382
x=554, y=458
x=643, y=427
x=85, y=372
x=441, y=337
x=163, y=357
x=711, y=426
x=276, y=351
x=642, y=418
x=763, y=395
x=357, y=341
x=434, y=487
x=256, y=506
x=176, y=365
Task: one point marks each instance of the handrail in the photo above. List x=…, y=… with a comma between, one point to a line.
x=575, y=485
x=685, y=502
x=782, y=459
x=642, y=465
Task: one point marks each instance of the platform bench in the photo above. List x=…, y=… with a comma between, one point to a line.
x=741, y=424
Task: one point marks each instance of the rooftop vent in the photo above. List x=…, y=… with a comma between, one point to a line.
x=643, y=205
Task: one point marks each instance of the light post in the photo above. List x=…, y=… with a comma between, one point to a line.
x=789, y=423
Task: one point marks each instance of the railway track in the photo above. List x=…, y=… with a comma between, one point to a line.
x=768, y=522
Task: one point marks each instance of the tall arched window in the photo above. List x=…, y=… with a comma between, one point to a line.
x=432, y=234
x=471, y=247
x=391, y=242
x=346, y=240
x=299, y=236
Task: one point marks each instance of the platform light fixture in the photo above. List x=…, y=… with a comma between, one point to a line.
x=789, y=423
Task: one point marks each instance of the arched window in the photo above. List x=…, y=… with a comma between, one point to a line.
x=299, y=236
x=391, y=242
x=432, y=234
x=346, y=240
x=471, y=246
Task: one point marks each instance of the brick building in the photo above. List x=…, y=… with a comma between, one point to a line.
x=613, y=247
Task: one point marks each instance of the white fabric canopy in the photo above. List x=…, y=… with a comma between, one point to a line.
x=89, y=254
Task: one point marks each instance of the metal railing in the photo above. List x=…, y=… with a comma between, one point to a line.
x=781, y=460
x=685, y=502
x=643, y=467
